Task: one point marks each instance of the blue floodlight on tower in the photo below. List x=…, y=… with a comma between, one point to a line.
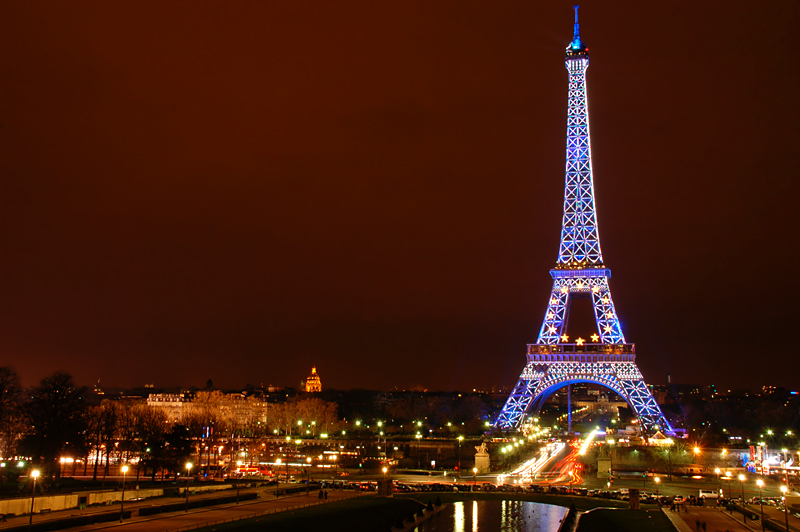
x=608, y=360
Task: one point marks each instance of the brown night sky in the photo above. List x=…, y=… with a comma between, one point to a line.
x=241, y=190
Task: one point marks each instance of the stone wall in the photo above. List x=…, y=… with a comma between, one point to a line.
x=54, y=503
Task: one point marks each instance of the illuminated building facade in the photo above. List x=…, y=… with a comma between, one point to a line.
x=553, y=361
x=175, y=405
x=313, y=384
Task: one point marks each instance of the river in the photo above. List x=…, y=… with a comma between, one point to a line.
x=496, y=516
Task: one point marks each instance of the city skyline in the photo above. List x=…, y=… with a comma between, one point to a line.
x=374, y=190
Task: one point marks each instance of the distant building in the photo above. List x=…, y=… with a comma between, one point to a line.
x=174, y=404
x=312, y=383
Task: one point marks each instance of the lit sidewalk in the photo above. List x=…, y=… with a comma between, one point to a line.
x=715, y=519
x=267, y=503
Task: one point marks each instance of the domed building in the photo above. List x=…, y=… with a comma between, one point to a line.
x=313, y=384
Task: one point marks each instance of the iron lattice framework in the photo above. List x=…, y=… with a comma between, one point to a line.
x=579, y=272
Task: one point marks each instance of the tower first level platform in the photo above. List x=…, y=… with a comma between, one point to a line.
x=550, y=367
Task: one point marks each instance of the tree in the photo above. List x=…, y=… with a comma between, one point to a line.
x=150, y=425
x=102, y=423
x=10, y=426
x=55, y=415
x=178, y=448
x=312, y=415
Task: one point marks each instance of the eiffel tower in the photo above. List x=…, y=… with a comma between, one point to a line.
x=554, y=362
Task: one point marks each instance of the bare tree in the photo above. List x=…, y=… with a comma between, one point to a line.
x=151, y=427
x=10, y=421
x=55, y=415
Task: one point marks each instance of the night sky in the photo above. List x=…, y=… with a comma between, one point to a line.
x=241, y=190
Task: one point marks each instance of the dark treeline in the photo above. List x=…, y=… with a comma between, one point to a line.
x=53, y=420
x=61, y=428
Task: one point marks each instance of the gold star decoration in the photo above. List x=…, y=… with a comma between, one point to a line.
x=607, y=328
x=564, y=337
x=580, y=341
x=596, y=289
x=609, y=314
x=563, y=289
x=605, y=301
x=552, y=329
x=595, y=338
x=550, y=315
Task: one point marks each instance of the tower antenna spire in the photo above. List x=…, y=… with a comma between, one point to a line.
x=576, y=37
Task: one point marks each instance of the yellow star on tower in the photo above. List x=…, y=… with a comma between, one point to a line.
x=564, y=337
x=605, y=301
x=595, y=338
x=580, y=341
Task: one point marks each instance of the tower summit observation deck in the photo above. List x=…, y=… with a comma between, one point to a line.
x=576, y=47
x=554, y=362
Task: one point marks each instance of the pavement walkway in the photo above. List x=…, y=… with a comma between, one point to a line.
x=180, y=521
x=15, y=521
x=266, y=503
x=705, y=519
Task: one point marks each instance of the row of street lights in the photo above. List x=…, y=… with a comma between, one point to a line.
x=35, y=474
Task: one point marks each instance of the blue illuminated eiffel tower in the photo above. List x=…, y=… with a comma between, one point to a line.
x=608, y=360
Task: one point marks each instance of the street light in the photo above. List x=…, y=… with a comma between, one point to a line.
x=308, y=475
x=474, y=476
x=122, y=506
x=239, y=472
x=34, y=475
x=419, y=436
x=730, y=493
x=385, y=469
x=785, y=490
x=657, y=481
x=761, y=500
x=460, y=439
x=188, y=469
x=744, y=509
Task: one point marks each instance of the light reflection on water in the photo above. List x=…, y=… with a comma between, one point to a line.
x=496, y=516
